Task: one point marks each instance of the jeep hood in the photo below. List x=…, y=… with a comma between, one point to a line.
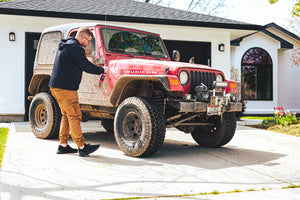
x=152, y=67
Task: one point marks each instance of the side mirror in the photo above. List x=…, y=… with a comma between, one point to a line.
x=176, y=55
x=100, y=61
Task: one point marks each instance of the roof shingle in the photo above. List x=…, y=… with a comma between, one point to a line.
x=129, y=9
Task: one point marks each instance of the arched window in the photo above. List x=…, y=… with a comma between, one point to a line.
x=257, y=75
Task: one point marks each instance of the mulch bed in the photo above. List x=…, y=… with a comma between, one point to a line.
x=293, y=129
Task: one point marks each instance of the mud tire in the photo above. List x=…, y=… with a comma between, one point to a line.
x=139, y=127
x=44, y=116
x=219, y=135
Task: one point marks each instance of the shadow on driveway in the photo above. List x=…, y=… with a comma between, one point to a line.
x=185, y=153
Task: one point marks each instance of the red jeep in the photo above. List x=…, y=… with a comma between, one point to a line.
x=143, y=94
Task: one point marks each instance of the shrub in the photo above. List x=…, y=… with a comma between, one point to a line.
x=284, y=118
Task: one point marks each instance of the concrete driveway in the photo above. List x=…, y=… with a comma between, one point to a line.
x=256, y=164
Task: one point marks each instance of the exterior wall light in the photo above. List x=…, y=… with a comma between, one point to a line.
x=12, y=36
x=222, y=47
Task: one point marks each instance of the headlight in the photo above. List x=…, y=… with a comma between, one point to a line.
x=219, y=78
x=183, y=77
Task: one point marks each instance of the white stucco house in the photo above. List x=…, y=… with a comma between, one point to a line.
x=260, y=54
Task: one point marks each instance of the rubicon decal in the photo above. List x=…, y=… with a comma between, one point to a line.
x=141, y=72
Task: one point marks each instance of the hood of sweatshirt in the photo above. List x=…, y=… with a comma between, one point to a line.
x=66, y=42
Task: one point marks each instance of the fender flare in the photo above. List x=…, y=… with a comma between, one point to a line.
x=123, y=81
x=36, y=83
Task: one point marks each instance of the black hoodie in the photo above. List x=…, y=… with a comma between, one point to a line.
x=69, y=63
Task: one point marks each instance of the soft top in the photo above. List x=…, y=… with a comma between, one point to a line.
x=66, y=28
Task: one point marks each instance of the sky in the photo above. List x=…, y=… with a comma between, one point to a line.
x=254, y=11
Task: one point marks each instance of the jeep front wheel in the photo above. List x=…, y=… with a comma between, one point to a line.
x=44, y=116
x=139, y=127
x=218, y=135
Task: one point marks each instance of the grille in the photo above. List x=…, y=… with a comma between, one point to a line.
x=198, y=77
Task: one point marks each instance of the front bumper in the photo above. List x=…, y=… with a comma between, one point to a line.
x=198, y=107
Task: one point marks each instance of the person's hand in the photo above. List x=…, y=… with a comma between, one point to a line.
x=106, y=69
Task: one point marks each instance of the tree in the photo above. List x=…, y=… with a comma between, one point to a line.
x=296, y=55
x=209, y=7
x=294, y=25
x=296, y=7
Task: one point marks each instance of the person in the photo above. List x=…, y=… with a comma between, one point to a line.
x=176, y=56
x=70, y=62
x=192, y=60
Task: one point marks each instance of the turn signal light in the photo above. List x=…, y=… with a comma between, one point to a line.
x=174, y=81
x=232, y=85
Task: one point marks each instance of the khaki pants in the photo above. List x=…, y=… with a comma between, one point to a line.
x=71, y=115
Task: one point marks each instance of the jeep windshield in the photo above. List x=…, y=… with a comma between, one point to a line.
x=132, y=43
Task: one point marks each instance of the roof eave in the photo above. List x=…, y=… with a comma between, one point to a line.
x=282, y=30
x=283, y=43
x=38, y=13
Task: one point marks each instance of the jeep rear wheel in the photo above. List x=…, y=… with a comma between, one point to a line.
x=44, y=116
x=139, y=127
x=218, y=135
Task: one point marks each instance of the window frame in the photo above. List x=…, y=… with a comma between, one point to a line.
x=53, y=49
x=93, y=41
x=258, y=85
x=163, y=48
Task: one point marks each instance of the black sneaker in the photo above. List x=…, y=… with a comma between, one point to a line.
x=87, y=149
x=67, y=149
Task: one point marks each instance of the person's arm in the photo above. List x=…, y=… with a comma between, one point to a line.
x=106, y=69
x=78, y=56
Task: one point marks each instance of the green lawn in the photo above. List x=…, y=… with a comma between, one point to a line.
x=3, y=137
x=257, y=117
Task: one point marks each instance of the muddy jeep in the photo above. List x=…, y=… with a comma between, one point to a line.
x=143, y=94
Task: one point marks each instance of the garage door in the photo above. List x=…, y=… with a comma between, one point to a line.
x=201, y=51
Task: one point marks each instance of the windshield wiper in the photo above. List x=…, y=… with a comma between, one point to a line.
x=118, y=50
x=129, y=53
x=149, y=54
x=123, y=51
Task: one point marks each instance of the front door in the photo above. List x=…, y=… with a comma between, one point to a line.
x=31, y=43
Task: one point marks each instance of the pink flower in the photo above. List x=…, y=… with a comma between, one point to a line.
x=281, y=113
x=294, y=113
